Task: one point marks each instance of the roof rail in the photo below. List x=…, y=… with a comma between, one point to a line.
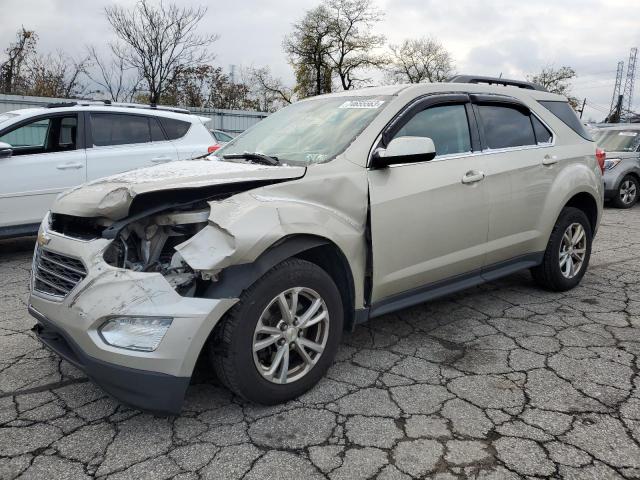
x=497, y=81
x=109, y=103
x=61, y=104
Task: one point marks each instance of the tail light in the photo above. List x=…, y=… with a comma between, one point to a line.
x=601, y=156
x=213, y=148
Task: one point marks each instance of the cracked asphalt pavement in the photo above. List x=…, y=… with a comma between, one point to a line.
x=501, y=381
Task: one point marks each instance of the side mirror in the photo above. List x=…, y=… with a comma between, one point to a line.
x=404, y=150
x=5, y=150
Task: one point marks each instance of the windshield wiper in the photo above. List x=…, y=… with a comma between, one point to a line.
x=253, y=157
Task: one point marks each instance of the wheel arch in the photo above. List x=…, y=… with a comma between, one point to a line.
x=315, y=249
x=585, y=202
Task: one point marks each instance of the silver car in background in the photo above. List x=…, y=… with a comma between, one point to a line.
x=221, y=138
x=622, y=166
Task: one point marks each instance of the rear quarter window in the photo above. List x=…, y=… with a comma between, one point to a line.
x=174, y=129
x=565, y=113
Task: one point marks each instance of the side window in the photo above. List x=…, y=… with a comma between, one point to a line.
x=116, y=129
x=67, y=134
x=174, y=128
x=446, y=125
x=156, y=130
x=45, y=135
x=567, y=115
x=543, y=135
x=506, y=127
x=223, y=137
x=28, y=137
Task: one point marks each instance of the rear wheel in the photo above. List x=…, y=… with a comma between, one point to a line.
x=567, y=254
x=628, y=191
x=280, y=338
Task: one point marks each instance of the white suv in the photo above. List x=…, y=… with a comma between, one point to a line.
x=44, y=151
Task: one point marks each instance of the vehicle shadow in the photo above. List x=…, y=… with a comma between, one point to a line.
x=16, y=245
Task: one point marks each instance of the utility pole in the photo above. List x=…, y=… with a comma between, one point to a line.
x=617, y=87
x=614, y=116
x=629, y=82
x=584, y=102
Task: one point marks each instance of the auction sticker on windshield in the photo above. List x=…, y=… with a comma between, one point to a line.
x=362, y=104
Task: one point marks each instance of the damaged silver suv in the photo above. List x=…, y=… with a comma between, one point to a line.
x=332, y=211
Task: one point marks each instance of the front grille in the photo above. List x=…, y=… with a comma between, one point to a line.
x=75, y=227
x=55, y=274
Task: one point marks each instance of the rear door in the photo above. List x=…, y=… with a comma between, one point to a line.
x=123, y=141
x=429, y=219
x=48, y=157
x=520, y=166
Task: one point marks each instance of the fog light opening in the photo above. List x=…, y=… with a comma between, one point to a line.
x=142, y=334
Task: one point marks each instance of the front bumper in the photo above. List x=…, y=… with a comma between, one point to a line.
x=611, y=182
x=153, y=380
x=156, y=392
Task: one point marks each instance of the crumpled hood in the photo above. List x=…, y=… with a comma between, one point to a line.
x=112, y=196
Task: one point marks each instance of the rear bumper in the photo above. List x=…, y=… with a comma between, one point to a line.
x=147, y=390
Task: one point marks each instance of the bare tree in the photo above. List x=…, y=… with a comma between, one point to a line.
x=270, y=93
x=56, y=75
x=334, y=40
x=18, y=55
x=308, y=47
x=353, y=44
x=119, y=82
x=159, y=41
x=420, y=60
x=556, y=80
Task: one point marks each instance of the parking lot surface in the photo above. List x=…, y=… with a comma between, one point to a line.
x=501, y=381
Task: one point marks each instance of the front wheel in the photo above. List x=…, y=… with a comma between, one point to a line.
x=627, y=194
x=567, y=254
x=280, y=338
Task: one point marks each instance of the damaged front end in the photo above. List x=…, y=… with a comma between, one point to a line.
x=148, y=245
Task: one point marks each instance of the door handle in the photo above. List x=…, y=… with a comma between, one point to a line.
x=161, y=159
x=549, y=160
x=472, y=176
x=69, y=166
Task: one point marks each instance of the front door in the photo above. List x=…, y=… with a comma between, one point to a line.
x=48, y=157
x=429, y=219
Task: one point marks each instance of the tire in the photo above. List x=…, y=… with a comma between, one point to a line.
x=550, y=274
x=231, y=350
x=627, y=193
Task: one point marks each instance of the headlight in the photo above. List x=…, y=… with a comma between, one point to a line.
x=135, y=333
x=610, y=163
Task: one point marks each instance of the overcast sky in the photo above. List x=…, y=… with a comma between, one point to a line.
x=489, y=37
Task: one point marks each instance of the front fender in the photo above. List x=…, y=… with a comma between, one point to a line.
x=243, y=227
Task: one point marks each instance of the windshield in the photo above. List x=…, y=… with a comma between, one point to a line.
x=313, y=131
x=618, y=140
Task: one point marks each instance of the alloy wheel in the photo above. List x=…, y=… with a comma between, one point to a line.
x=628, y=192
x=573, y=250
x=290, y=335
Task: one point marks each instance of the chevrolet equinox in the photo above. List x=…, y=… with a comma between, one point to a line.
x=332, y=211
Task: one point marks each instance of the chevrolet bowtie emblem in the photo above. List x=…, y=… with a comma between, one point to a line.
x=43, y=239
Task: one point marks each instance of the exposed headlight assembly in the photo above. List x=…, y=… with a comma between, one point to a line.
x=143, y=334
